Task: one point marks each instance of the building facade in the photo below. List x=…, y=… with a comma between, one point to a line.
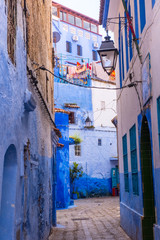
x=28, y=139
x=91, y=110
x=138, y=108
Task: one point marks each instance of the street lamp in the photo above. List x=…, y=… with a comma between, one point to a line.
x=108, y=55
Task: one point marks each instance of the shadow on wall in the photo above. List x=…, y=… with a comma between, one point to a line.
x=7, y=214
x=92, y=187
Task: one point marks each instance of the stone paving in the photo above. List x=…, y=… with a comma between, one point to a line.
x=91, y=219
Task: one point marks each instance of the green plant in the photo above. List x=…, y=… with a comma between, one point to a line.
x=89, y=127
x=76, y=172
x=77, y=139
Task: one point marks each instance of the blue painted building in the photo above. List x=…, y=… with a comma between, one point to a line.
x=28, y=140
x=76, y=40
x=138, y=113
x=62, y=156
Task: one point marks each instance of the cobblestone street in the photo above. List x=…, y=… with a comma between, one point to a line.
x=91, y=219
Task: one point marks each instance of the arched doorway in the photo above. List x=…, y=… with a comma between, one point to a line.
x=7, y=212
x=147, y=182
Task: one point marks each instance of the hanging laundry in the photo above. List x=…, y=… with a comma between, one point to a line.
x=81, y=68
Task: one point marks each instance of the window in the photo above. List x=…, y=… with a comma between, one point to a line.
x=122, y=56
x=133, y=152
x=79, y=50
x=142, y=14
x=102, y=105
x=77, y=149
x=11, y=28
x=86, y=25
x=99, y=142
x=136, y=19
x=158, y=115
x=93, y=28
x=68, y=47
x=71, y=117
x=70, y=19
x=119, y=43
x=55, y=11
x=130, y=37
x=61, y=15
x=153, y=2
x=78, y=22
x=125, y=163
x=64, y=16
x=126, y=43
x=94, y=55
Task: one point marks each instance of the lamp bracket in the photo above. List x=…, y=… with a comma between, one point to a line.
x=116, y=20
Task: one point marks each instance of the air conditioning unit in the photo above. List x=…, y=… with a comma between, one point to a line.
x=95, y=45
x=75, y=38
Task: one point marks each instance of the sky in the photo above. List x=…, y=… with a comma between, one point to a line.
x=90, y=8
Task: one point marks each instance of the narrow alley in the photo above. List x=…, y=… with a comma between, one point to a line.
x=93, y=218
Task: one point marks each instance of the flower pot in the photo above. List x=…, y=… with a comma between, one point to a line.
x=74, y=196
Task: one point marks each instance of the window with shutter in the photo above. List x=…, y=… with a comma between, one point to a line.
x=125, y=163
x=134, y=166
x=158, y=118
x=119, y=43
x=142, y=10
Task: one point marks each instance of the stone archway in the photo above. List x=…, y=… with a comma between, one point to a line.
x=8, y=199
x=147, y=182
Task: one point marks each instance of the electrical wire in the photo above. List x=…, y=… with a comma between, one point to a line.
x=132, y=84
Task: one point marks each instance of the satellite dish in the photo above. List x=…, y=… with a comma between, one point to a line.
x=56, y=37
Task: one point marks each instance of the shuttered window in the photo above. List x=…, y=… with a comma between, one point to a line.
x=119, y=43
x=133, y=153
x=125, y=163
x=142, y=14
x=153, y=2
x=158, y=116
x=122, y=56
x=126, y=43
x=136, y=19
x=130, y=37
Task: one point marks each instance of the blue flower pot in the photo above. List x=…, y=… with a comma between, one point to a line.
x=74, y=196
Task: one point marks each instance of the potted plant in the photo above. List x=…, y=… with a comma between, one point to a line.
x=76, y=138
x=76, y=172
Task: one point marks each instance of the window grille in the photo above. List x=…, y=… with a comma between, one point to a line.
x=77, y=150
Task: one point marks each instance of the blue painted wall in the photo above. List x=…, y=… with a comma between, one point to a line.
x=63, y=181
x=97, y=161
x=30, y=211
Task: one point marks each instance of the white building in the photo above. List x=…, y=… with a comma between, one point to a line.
x=138, y=108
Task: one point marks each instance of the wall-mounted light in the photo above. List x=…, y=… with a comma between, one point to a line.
x=88, y=122
x=108, y=55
